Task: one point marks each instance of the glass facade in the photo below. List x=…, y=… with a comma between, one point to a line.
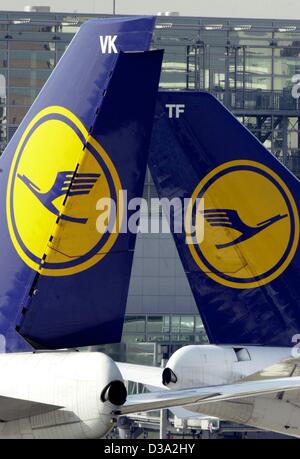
x=150, y=338
x=250, y=65
x=247, y=64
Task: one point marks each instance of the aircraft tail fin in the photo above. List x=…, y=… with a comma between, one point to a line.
x=240, y=244
x=86, y=137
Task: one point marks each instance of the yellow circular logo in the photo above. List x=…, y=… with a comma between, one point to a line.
x=251, y=225
x=58, y=174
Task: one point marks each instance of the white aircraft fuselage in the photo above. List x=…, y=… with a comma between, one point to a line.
x=78, y=382
x=211, y=365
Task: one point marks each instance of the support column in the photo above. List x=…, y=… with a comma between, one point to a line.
x=163, y=417
x=284, y=125
x=163, y=424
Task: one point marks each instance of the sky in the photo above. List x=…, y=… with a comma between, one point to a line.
x=271, y=9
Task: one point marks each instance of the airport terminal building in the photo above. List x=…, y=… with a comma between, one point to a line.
x=252, y=66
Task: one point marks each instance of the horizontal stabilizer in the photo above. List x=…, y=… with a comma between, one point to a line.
x=12, y=409
x=149, y=376
x=196, y=396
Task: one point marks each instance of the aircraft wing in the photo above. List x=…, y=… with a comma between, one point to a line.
x=12, y=409
x=185, y=397
x=282, y=369
x=143, y=374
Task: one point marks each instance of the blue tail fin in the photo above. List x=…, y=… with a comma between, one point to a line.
x=245, y=273
x=64, y=281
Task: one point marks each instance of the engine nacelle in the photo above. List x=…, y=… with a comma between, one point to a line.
x=210, y=365
x=194, y=366
x=88, y=386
